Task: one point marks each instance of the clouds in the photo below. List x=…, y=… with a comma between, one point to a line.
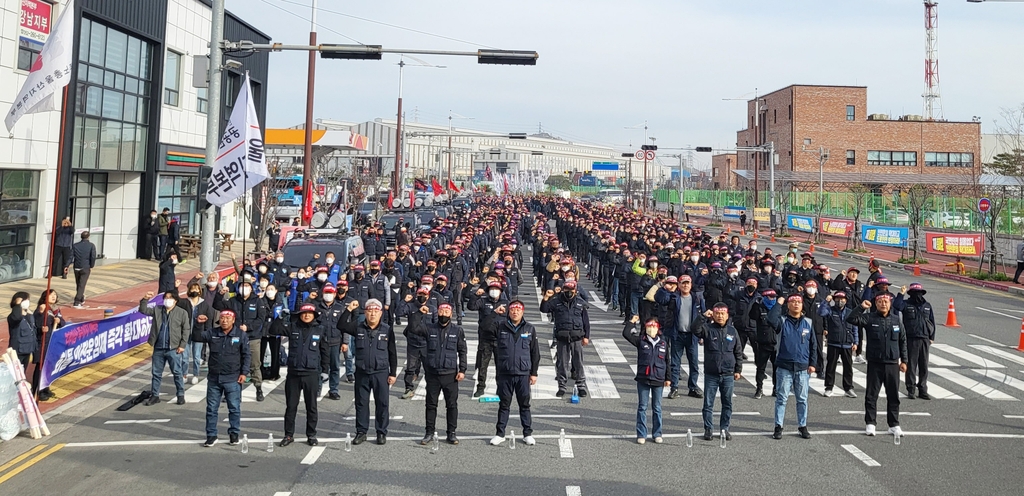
x=606, y=65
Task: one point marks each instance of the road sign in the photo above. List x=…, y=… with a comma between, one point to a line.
x=984, y=204
x=639, y=155
x=649, y=155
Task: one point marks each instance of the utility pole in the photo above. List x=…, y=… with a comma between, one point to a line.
x=208, y=240
x=396, y=183
x=307, y=149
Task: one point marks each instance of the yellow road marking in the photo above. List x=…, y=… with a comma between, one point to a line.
x=33, y=461
x=22, y=457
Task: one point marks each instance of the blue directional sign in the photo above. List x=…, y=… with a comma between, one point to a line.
x=605, y=166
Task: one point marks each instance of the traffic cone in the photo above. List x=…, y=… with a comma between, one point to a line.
x=835, y=251
x=1020, y=344
x=755, y=234
x=951, y=315
x=917, y=269
x=812, y=248
x=773, y=240
x=743, y=232
x=728, y=230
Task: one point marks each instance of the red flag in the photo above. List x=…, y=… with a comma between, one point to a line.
x=505, y=178
x=452, y=187
x=438, y=189
x=307, y=203
x=412, y=200
x=391, y=198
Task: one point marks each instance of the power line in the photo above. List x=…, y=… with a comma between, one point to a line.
x=308, y=20
x=390, y=25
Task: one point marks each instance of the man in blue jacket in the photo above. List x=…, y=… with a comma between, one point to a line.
x=793, y=361
x=681, y=310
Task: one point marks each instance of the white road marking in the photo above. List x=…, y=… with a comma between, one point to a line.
x=1001, y=377
x=695, y=414
x=397, y=417
x=860, y=455
x=249, y=393
x=975, y=336
x=608, y=351
x=1014, y=416
x=597, y=301
x=909, y=414
x=1011, y=310
x=999, y=353
x=606, y=322
x=599, y=382
x=141, y=421
x=565, y=448
x=938, y=361
x=573, y=491
x=313, y=455
x=259, y=419
x=282, y=493
x=546, y=386
x=1014, y=317
x=982, y=389
x=970, y=357
x=552, y=415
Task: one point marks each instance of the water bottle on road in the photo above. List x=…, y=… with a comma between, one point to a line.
x=270, y=443
x=348, y=442
x=689, y=438
x=437, y=443
x=245, y=443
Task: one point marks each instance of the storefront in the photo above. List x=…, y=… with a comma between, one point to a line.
x=19, y=208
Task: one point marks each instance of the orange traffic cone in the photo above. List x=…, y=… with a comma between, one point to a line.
x=743, y=232
x=951, y=315
x=728, y=230
x=755, y=234
x=812, y=248
x=1020, y=345
x=773, y=240
x=835, y=251
x=917, y=269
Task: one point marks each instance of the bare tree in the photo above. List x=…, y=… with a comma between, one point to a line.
x=857, y=202
x=914, y=200
x=785, y=194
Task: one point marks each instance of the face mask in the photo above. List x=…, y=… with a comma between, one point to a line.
x=812, y=291
x=211, y=285
x=662, y=276
x=25, y=305
x=769, y=303
x=193, y=294
x=174, y=261
x=359, y=276
x=330, y=261
x=247, y=278
x=568, y=294
x=279, y=259
x=271, y=294
x=750, y=289
x=791, y=260
x=694, y=259
x=168, y=304
x=374, y=272
x=767, y=270
x=733, y=275
x=263, y=270
x=440, y=285
x=753, y=247
x=494, y=293
x=321, y=277
x=652, y=331
x=428, y=287
x=328, y=297
x=263, y=285
x=565, y=268
x=421, y=299
x=443, y=319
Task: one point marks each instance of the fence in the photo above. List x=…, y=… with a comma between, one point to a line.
x=943, y=212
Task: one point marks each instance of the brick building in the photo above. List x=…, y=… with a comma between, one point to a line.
x=722, y=166
x=875, y=149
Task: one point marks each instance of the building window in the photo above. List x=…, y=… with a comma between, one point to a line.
x=202, y=100
x=851, y=112
x=791, y=111
x=172, y=78
x=112, y=99
x=775, y=116
x=851, y=157
x=945, y=159
x=878, y=157
x=36, y=22
x=178, y=193
x=19, y=204
x=89, y=204
x=28, y=53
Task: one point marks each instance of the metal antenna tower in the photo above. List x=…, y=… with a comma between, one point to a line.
x=932, y=107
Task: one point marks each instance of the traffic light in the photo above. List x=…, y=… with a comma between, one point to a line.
x=704, y=149
x=648, y=147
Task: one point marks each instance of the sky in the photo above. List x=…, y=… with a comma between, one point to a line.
x=606, y=68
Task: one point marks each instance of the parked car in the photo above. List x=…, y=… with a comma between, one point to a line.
x=898, y=216
x=950, y=220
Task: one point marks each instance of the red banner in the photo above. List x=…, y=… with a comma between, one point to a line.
x=835, y=226
x=954, y=244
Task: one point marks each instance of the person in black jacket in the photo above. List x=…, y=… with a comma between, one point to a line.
x=307, y=368
x=65, y=236
x=196, y=305
x=842, y=341
x=651, y=374
x=445, y=366
x=517, y=360
x=47, y=317
x=417, y=310
x=151, y=228
x=251, y=312
x=22, y=327
x=84, y=253
x=489, y=307
x=919, y=323
x=723, y=362
x=168, y=281
x=376, y=360
x=887, y=357
x=228, y=362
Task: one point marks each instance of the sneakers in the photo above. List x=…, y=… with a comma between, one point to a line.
x=827, y=393
x=259, y=394
x=804, y=433
x=708, y=435
x=859, y=360
x=232, y=439
x=496, y=441
x=778, y=432
x=529, y=440
x=350, y=379
x=673, y=394
x=896, y=431
x=924, y=396
x=695, y=393
x=479, y=392
x=181, y=400
x=152, y=400
x=427, y=438
x=728, y=435
x=582, y=393
x=659, y=440
x=851, y=394
x=286, y=441
x=452, y=439
x=312, y=441
x=210, y=441
x=640, y=440
x=333, y=396
x=870, y=430
x=758, y=394
x=194, y=380
x=408, y=394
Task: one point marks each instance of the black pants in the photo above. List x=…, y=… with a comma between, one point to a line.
x=889, y=375
x=484, y=352
x=1020, y=269
x=272, y=345
x=61, y=260
x=834, y=354
x=819, y=361
x=413, y=361
x=435, y=385
x=81, y=278
x=161, y=242
x=762, y=355
x=520, y=386
x=376, y=382
x=154, y=246
x=917, y=366
x=747, y=337
x=307, y=383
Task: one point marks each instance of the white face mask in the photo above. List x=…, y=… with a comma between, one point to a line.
x=263, y=285
x=654, y=265
x=25, y=304
x=428, y=287
x=694, y=259
x=812, y=291
x=328, y=297
x=494, y=293
x=753, y=247
x=767, y=269
x=168, y=304
x=733, y=275
x=652, y=331
x=211, y=285
x=271, y=293
x=330, y=261
x=279, y=259
x=152, y=216
x=246, y=291
x=321, y=277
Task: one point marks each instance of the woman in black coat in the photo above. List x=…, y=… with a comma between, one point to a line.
x=45, y=322
x=168, y=282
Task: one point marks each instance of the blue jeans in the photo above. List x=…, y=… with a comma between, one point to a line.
x=172, y=358
x=684, y=342
x=335, y=376
x=634, y=302
x=214, y=392
x=615, y=292
x=648, y=395
x=714, y=384
x=193, y=354
x=796, y=382
x=350, y=358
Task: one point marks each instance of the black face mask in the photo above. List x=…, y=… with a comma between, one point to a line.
x=750, y=289
x=359, y=276
x=443, y=320
x=568, y=294
x=374, y=272
x=193, y=294
x=662, y=276
x=440, y=285
x=421, y=299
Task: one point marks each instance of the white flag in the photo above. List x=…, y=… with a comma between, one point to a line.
x=241, y=163
x=51, y=71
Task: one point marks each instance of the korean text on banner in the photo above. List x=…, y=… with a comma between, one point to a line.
x=835, y=226
x=954, y=244
x=800, y=223
x=885, y=236
x=76, y=345
x=50, y=73
x=733, y=212
x=762, y=214
x=697, y=208
x=240, y=154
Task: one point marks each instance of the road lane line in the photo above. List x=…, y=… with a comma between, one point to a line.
x=552, y=415
x=860, y=455
x=36, y=459
x=22, y=457
x=313, y=455
x=1001, y=377
x=975, y=336
x=260, y=419
x=694, y=414
x=970, y=357
x=1014, y=317
x=1014, y=416
x=141, y=421
x=573, y=491
x=596, y=301
x=909, y=414
x=565, y=448
x=282, y=493
x=982, y=389
x=397, y=417
x=999, y=353
x=608, y=351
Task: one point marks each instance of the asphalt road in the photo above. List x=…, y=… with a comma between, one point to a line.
x=952, y=446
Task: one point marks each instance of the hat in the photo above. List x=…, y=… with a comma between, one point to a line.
x=329, y=288
x=321, y=268
x=916, y=286
x=811, y=284
x=494, y=284
x=227, y=313
x=852, y=269
x=375, y=263
x=499, y=265
x=359, y=268
x=806, y=254
x=342, y=283
x=716, y=265
x=569, y=285
x=839, y=294
x=685, y=278
x=671, y=280
x=442, y=277
x=373, y=303
x=307, y=307
x=881, y=280
x=422, y=290
x=752, y=279
x=768, y=292
x=720, y=304
x=426, y=279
